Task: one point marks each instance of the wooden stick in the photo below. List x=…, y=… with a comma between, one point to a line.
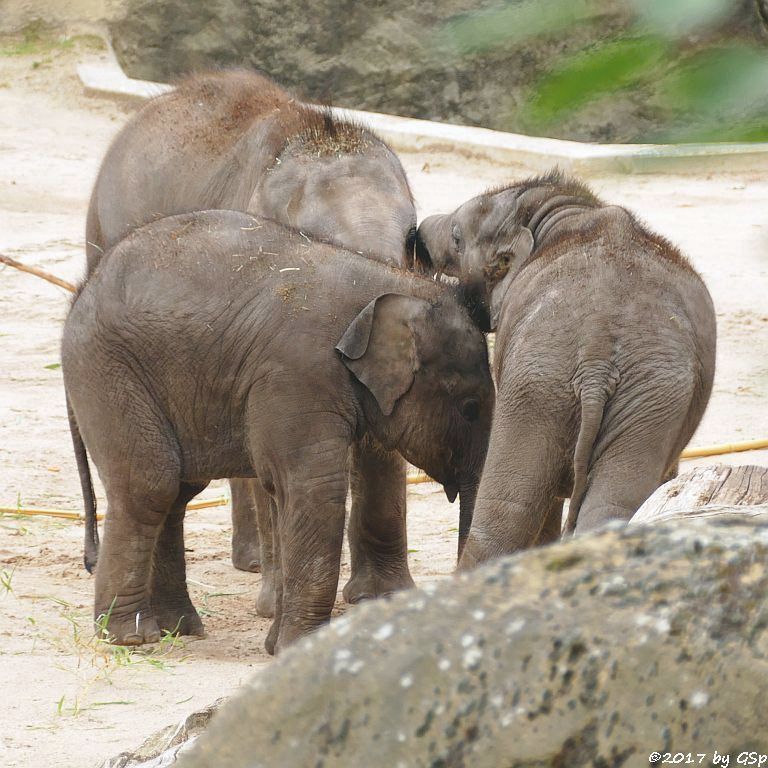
x=415, y=479
x=717, y=450
x=420, y=478
x=63, y=514
x=32, y=511
x=688, y=453
x=219, y=501
x=37, y=272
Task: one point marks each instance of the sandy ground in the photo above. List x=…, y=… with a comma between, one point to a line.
x=69, y=703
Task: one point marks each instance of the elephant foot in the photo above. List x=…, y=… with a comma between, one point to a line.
x=179, y=620
x=368, y=584
x=135, y=629
x=265, y=602
x=246, y=556
x=592, y=517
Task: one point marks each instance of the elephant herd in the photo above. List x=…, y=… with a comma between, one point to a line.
x=259, y=305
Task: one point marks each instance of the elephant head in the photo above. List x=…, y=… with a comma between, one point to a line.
x=481, y=242
x=487, y=241
x=426, y=388
x=360, y=201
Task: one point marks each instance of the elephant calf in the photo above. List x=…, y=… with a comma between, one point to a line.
x=237, y=140
x=604, y=357
x=217, y=344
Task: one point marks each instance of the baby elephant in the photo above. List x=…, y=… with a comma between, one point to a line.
x=217, y=344
x=604, y=356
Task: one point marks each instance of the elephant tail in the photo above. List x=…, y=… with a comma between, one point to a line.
x=91, y=550
x=594, y=387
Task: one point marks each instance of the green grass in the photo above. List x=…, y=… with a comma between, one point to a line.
x=38, y=39
x=6, y=578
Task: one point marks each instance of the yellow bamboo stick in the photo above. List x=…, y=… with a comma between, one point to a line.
x=718, y=450
x=420, y=478
x=31, y=511
x=63, y=514
x=688, y=453
x=219, y=501
x=413, y=479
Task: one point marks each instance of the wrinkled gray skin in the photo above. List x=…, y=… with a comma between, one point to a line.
x=604, y=356
x=236, y=140
x=301, y=355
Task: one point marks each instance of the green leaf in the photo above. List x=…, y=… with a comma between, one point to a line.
x=584, y=77
x=52, y=366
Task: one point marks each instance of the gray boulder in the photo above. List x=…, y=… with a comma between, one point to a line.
x=472, y=62
x=594, y=652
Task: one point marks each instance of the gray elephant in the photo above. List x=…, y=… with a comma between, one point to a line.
x=604, y=356
x=237, y=140
x=218, y=344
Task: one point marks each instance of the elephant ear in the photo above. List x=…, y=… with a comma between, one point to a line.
x=379, y=347
x=504, y=266
x=509, y=255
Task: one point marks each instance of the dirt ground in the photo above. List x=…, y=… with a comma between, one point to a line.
x=70, y=703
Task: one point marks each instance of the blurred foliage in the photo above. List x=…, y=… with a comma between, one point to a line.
x=675, y=18
x=513, y=22
x=702, y=81
x=585, y=76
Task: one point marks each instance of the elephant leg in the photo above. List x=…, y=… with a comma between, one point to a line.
x=377, y=529
x=522, y=474
x=310, y=527
x=171, y=604
x=266, y=510
x=246, y=554
x=645, y=427
x=122, y=607
x=277, y=580
x=553, y=523
x=623, y=477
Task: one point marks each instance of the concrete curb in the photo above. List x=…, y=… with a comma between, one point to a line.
x=536, y=154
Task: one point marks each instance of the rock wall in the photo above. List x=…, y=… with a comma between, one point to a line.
x=396, y=56
x=595, y=652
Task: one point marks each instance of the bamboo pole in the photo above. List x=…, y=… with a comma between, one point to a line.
x=63, y=514
x=688, y=453
x=718, y=450
x=414, y=479
x=419, y=478
x=37, y=272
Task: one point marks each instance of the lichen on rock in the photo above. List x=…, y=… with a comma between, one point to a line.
x=593, y=652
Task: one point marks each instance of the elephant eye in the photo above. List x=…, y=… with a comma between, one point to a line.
x=470, y=409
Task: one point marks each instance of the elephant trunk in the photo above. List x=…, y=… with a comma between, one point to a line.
x=434, y=246
x=422, y=259
x=467, y=496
